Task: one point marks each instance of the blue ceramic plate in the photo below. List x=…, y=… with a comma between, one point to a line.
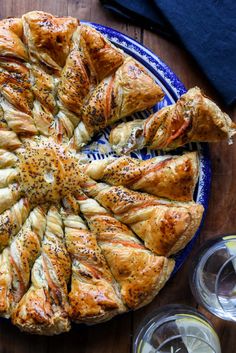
x=173, y=89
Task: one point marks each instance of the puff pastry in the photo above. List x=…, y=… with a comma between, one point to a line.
x=9, y=139
x=92, y=59
x=48, y=38
x=9, y=196
x=7, y=159
x=164, y=226
x=172, y=177
x=12, y=220
x=8, y=176
x=194, y=118
x=44, y=88
x=94, y=295
x=129, y=90
x=60, y=83
x=139, y=273
x=44, y=307
x=17, y=260
x=11, y=39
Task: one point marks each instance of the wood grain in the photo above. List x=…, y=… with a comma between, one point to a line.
x=116, y=336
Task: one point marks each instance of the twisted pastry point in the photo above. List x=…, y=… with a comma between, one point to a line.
x=129, y=90
x=172, y=177
x=44, y=307
x=17, y=260
x=139, y=273
x=193, y=118
x=164, y=226
x=94, y=295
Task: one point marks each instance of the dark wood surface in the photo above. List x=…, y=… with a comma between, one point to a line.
x=116, y=336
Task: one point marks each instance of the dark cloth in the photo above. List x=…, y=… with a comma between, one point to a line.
x=206, y=28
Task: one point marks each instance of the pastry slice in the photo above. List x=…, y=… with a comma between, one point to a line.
x=14, y=72
x=17, y=260
x=101, y=56
x=91, y=59
x=59, y=127
x=12, y=220
x=7, y=159
x=8, y=176
x=11, y=45
x=8, y=139
x=129, y=90
x=48, y=38
x=139, y=272
x=43, y=309
x=66, y=113
x=164, y=226
x=45, y=107
x=18, y=121
x=94, y=295
x=9, y=196
x=16, y=89
x=43, y=119
x=75, y=82
x=44, y=88
x=172, y=177
x=193, y=118
x=51, y=118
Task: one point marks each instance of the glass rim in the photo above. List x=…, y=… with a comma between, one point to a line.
x=218, y=278
x=205, y=251
x=214, y=240
x=176, y=309
x=203, y=248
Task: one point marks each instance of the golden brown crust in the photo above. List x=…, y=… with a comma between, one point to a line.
x=21, y=123
x=12, y=220
x=53, y=73
x=94, y=296
x=48, y=37
x=194, y=118
x=15, y=86
x=75, y=83
x=140, y=273
x=165, y=226
x=172, y=177
x=11, y=44
x=101, y=56
x=91, y=59
x=9, y=139
x=17, y=260
x=36, y=315
x=43, y=309
x=8, y=176
x=9, y=196
x=129, y=90
x=44, y=88
x=7, y=159
x=47, y=170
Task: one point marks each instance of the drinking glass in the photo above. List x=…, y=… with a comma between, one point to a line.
x=213, y=277
x=176, y=329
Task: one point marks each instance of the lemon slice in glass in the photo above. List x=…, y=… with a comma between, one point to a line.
x=197, y=335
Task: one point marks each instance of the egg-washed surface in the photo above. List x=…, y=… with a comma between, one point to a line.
x=47, y=171
x=69, y=252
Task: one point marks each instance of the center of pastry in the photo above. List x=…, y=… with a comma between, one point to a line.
x=48, y=171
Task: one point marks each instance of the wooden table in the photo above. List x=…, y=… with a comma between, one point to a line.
x=116, y=335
